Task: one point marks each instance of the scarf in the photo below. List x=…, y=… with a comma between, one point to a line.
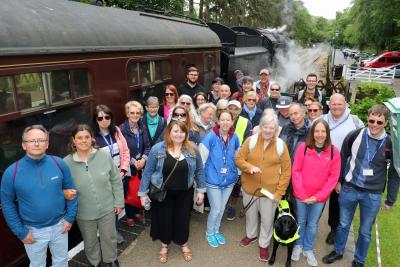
x=251, y=113
x=152, y=124
x=295, y=136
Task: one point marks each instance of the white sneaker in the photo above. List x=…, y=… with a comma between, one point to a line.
x=311, y=260
x=296, y=252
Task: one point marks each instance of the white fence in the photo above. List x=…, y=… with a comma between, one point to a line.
x=379, y=75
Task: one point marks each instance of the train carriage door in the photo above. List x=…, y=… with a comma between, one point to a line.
x=209, y=71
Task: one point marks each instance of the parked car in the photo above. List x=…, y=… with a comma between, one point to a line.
x=386, y=59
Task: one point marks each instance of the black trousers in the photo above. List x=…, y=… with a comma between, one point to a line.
x=334, y=211
x=170, y=219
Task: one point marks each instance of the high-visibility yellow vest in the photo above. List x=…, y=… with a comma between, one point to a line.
x=240, y=128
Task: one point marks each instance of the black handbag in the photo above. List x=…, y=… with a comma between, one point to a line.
x=159, y=194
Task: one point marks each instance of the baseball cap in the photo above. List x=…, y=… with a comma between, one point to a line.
x=264, y=71
x=284, y=102
x=235, y=103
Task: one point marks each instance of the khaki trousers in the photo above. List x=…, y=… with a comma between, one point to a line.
x=107, y=247
x=266, y=208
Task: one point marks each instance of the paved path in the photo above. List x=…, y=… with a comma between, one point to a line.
x=144, y=252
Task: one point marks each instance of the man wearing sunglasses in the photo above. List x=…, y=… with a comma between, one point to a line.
x=366, y=154
x=191, y=86
x=272, y=100
x=340, y=122
x=41, y=217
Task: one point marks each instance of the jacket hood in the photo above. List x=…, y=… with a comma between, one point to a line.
x=217, y=132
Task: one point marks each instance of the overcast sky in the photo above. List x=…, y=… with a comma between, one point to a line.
x=326, y=8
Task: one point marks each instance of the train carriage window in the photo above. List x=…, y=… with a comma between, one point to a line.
x=81, y=82
x=133, y=74
x=157, y=71
x=60, y=86
x=7, y=103
x=166, y=69
x=145, y=74
x=30, y=90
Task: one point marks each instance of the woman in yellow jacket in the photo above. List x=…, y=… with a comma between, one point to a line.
x=265, y=164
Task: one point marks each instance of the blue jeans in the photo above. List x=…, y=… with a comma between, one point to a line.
x=218, y=199
x=48, y=237
x=307, y=219
x=369, y=203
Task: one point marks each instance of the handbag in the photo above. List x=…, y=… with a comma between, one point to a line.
x=159, y=194
x=132, y=197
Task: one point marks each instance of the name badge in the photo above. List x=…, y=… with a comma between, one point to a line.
x=368, y=172
x=224, y=170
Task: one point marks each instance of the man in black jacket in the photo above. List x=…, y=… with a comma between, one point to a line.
x=191, y=86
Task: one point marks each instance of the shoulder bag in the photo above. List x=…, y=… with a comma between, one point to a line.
x=159, y=194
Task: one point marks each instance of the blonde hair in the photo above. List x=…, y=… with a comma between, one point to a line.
x=135, y=104
x=250, y=94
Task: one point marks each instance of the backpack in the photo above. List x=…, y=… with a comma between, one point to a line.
x=16, y=167
x=279, y=144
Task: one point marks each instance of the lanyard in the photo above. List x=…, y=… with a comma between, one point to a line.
x=224, y=146
x=137, y=137
x=110, y=145
x=381, y=143
x=337, y=125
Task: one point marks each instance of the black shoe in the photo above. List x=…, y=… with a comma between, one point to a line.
x=113, y=264
x=331, y=257
x=330, y=239
x=357, y=264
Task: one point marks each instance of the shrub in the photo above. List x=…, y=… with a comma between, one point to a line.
x=369, y=94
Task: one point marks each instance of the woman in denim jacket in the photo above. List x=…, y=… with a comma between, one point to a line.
x=178, y=158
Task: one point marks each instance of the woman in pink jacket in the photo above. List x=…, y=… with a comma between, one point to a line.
x=315, y=172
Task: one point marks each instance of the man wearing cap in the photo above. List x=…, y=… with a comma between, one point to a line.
x=191, y=86
x=243, y=128
x=213, y=96
x=283, y=110
x=311, y=91
x=262, y=85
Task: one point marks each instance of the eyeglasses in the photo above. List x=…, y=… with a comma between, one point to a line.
x=377, y=122
x=186, y=103
x=275, y=89
x=135, y=112
x=169, y=94
x=35, y=141
x=107, y=118
x=182, y=115
x=313, y=110
x=251, y=100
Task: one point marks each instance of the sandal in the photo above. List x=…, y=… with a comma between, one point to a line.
x=163, y=256
x=186, y=253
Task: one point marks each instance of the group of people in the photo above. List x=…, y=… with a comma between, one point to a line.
x=255, y=143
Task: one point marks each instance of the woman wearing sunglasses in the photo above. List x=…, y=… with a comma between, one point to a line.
x=139, y=146
x=169, y=102
x=187, y=102
x=250, y=110
x=179, y=113
x=110, y=139
x=314, y=110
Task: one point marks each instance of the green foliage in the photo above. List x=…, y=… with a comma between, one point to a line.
x=371, y=94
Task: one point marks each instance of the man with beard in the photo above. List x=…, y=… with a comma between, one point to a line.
x=191, y=86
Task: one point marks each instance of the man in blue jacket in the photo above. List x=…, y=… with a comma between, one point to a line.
x=42, y=216
x=365, y=155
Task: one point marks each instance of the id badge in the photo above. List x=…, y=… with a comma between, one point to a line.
x=224, y=170
x=368, y=172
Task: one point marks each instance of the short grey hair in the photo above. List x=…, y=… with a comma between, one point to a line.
x=269, y=118
x=301, y=107
x=152, y=100
x=35, y=127
x=206, y=106
x=222, y=104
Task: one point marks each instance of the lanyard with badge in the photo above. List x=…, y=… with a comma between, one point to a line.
x=110, y=145
x=224, y=170
x=369, y=171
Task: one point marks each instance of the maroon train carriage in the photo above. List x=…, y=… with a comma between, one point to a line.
x=58, y=59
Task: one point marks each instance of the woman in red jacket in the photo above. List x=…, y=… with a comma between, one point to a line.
x=315, y=172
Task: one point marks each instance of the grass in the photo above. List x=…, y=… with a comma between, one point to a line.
x=389, y=237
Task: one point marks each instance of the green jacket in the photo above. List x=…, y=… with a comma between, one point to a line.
x=98, y=183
